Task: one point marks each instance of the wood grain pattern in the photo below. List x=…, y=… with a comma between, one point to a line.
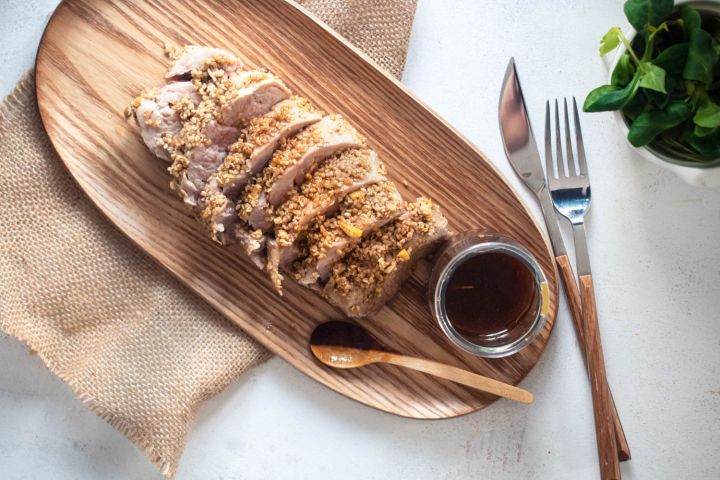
x=458, y=375
x=604, y=427
x=94, y=58
x=573, y=296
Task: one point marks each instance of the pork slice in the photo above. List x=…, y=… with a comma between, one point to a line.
x=326, y=185
x=288, y=166
x=176, y=124
x=260, y=138
x=254, y=93
x=193, y=57
x=203, y=161
x=190, y=182
x=360, y=213
x=193, y=170
x=374, y=270
x=198, y=149
x=326, y=138
x=252, y=206
x=253, y=244
x=221, y=136
x=320, y=195
x=218, y=213
x=157, y=118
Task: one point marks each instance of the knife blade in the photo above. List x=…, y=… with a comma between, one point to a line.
x=524, y=157
x=522, y=151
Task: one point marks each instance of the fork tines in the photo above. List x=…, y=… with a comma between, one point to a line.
x=558, y=171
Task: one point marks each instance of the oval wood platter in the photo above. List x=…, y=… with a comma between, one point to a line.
x=96, y=55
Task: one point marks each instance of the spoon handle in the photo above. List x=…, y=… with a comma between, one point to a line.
x=461, y=376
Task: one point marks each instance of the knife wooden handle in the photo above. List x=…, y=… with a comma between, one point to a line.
x=573, y=296
x=604, y=430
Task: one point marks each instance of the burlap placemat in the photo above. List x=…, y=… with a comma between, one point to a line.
x=140, y=349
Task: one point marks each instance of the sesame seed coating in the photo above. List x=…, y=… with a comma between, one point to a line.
x=260, y=131
x=370, y=206
x=292, y=151
x=321, y=188
x=376, y=257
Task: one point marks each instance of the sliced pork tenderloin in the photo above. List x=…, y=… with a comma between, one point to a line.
x=260, y=138
x=200, y=148
x=372, y=272
x=333, y=179
x=326, y=185
x=251, y=93
x=202, y=144
x=290, y=163
x=247, y=156
x=328, y=239
x=163, y=115
x=157, y=118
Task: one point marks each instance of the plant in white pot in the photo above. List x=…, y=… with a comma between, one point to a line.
x=664, y=85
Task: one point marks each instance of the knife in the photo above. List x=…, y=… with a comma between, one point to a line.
x=524, y=157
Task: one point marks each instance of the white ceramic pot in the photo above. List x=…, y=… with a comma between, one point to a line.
x=699, y=175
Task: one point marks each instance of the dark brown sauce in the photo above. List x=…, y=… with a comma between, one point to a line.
x=490, y=294
x=337, y=333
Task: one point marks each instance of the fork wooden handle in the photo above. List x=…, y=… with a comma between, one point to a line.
x=604, y=431
x=573, y=295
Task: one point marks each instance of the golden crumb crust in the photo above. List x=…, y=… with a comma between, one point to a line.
x=291, y=151
x=215, y=87
x=366, y=267
x=260, y=131
x=322, y=186
x=358, y=213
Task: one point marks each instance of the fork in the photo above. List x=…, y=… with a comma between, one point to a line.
x=570, y=191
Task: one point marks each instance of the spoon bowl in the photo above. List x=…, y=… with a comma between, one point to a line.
x=344, y=345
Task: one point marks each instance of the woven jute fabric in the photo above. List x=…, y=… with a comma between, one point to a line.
x=380, y=28
x=140, y=349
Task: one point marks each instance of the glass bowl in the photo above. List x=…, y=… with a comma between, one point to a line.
x=459, y=249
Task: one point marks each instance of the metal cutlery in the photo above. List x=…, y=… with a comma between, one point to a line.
x=524, y=157
x=570, y=191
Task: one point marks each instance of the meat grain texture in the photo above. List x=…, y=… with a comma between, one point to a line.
x=300, y=190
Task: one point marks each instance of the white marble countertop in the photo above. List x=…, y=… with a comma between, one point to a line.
x=655, y=247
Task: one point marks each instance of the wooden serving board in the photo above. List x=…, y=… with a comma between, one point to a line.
x=96, y=55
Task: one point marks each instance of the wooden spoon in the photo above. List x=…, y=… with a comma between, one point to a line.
x=347, y=345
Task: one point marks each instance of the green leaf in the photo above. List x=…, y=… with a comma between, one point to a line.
x=708, y=115
x=635, y=107
x=701, y=58
x=691, y=19
x=644, y=13
x=610, y=97
x=708, y=147
x=703, y=132
x=663, y=27
x=673, y=59
x=698, y=94
x=610, y=40
x=652, y=123
x=623, y=72
x=652, y=77
x=661, y=100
